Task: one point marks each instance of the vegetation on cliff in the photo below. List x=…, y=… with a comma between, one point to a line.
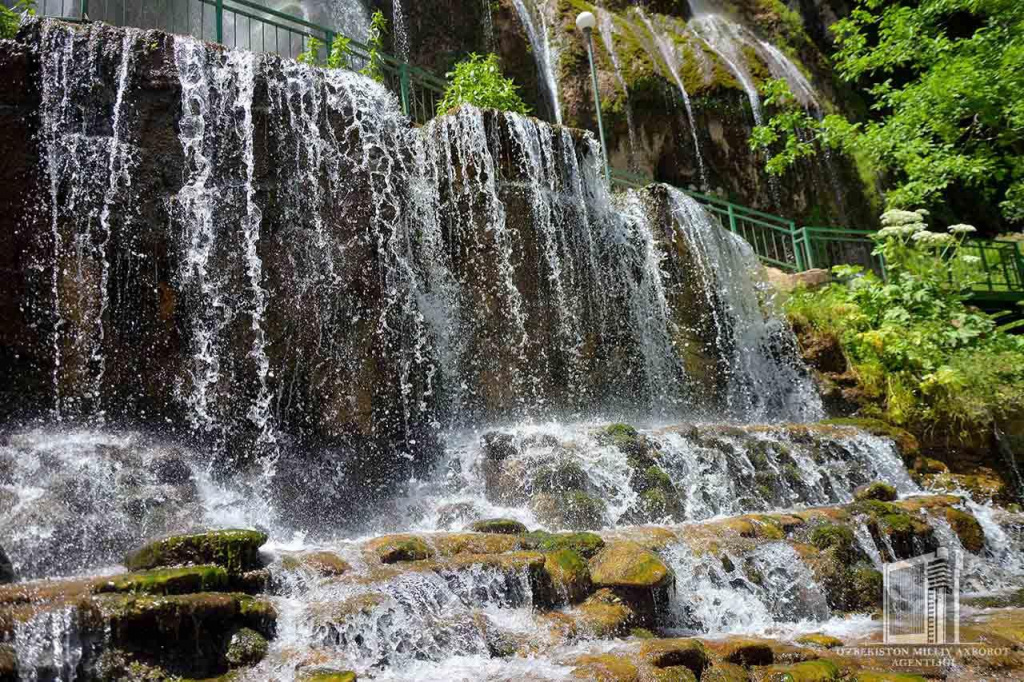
x=918, y=353
x=945, y=83
x=477, y=80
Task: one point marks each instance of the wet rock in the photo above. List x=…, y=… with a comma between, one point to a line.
x=787, y=282
x=172, y=470
x=324, y=564
x=746, y=652
x=893, y=526
x=6, y=569
x=8, y=664
x=569, y=575
x=635, y=574
x=675, y=653
x=498, y=526
x=605, y=668
x=875, y=491
x=819, y=640
x=725, y=672
x=450, y=544
x=885, y=676
x=246, y=647
x=575, y=510
x=235, y=550
x=168, y=581
x=809, y=671
x=392, y=549
x=587, y=544
x=601, y=616
x=999, y=601
x=967, y=528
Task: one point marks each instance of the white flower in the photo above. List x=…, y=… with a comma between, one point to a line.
x=971, y=260
x=896, y=217
x=932, y=238
x=961, y=229
x=900, y=231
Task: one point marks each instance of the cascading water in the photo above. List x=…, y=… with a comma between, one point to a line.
x=359, y=326
x=608, y=38
x=672, y=64
x=543, y=53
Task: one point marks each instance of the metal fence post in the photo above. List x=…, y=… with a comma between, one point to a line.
x=403, y=80
x=85, y=9
x=732, y=219
x=220, y=21
x=799, y=244
x=809, y=245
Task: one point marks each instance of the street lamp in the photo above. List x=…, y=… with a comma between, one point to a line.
x=587, y=22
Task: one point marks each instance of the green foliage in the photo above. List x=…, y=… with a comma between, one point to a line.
x=378, y=31
x=945, y=80
x=10, y=17
x=341, y=52
x=478, y=81
x=311, y=55
x=927, y=360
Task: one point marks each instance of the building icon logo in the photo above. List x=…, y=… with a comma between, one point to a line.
x=921, y=601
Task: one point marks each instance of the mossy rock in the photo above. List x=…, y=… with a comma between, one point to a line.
x=586, y=544
x=605, y=668
x=183, y=580
x=875, y=491
x=627, y=564
x=8, y=664
x=833, y=536
x=642, y=633
x=498, y=526
x=746, y=652
x=675, y=652
x=323, y=563
x=821, y=670
x=235, y=550
x=622, y=436
x=721, y=671
x=560, y=476
x=247, y=647
x=907, y=444
x=967, y=528
x=258, y=614
x=569, y=574
x=673, y=673
x=604, y=614
x=575, y=510
x=997, y=601
x=819, y=640
x=325, y=675
x=391, y=549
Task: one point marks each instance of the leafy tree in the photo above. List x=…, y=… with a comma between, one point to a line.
x=478, y=80
x=945, y=81
x=10, y=17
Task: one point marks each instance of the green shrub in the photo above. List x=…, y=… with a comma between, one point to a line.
x=337, y=57
x=478, y=81
x=378, y=31
x=922, y=357
x=311, y=55
x=10, y=17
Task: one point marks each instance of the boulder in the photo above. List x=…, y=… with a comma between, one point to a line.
x=574, y=509
x=247, y=647
x=587, y=544
x=167, y=581
x=325, y=675
x=605, y=668
x=6, y=569
x=746, y=652
x=721, y=671
x=820, y=670
x=324, y=564
x=235, y=550
x=499, y=526
x=456, y=514
x=875, y=491
x=569, y=575
x=636, y=574
x=675, y=653
x=967, y=528
x=819, y=640
x=392, y=549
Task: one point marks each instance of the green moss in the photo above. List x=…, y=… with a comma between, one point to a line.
x=586, y=544
x=819, y=640
x=833, y=536
x=569, y=575
x=169, y=581
x=498, y=526
x=967, y=528
x=885, y=676
x=247, y=647
x=627, y=564
x=876, y=491
x=326, y=675
x=562, y=475
x=642, y=633
x=821, y=670
x=875, y=508
x=258, y=614
x=392, y=549
x=908, y=446
x=235, y=550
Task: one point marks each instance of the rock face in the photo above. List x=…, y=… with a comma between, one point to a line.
x=6, y=569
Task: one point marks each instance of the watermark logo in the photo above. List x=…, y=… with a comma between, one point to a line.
x=921, y=600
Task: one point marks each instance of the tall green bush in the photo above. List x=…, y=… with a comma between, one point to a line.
x=478, y=80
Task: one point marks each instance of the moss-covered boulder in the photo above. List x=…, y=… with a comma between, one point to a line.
x=905, y=441
x=821, y=670
x=246, y=647
x=569, y=576
x=674, y=653
x=573, y=510
x=745, y=652
x=604, y=615
x=181, y=580
x=720, y=671
x=235, y=550
x=498, y=526
x=636, y=574
x=586, y=544
x=894, y=526
x=391, y=549
x=321, y=563
x=885, y=676
x=626, y=564
x=8, y=664
x=875, y=491
x=607, y=667
x=819, y=640
x=967, y=528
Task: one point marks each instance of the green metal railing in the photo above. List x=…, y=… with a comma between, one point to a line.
x=245, y=24
x=998, y=270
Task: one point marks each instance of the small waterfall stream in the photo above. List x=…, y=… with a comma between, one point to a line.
x=543, y=53
x=607, y=31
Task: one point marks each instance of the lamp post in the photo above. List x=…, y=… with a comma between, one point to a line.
x=587, y=22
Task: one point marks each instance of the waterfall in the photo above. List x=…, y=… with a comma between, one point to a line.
x=401, y=32
x=543, y=54
x=725, y=39
x=608, y=37
x=668, y=55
